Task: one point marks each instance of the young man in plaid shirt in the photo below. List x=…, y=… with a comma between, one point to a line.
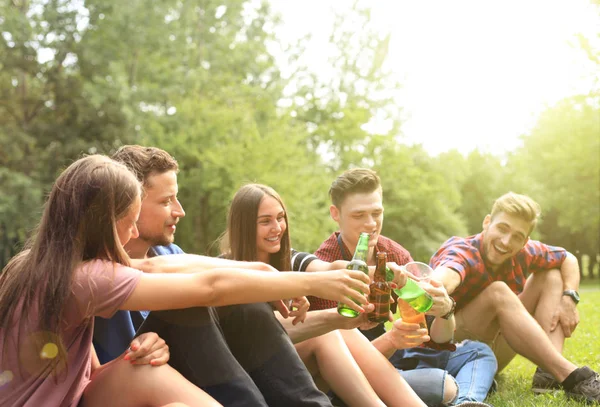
x=517, y=295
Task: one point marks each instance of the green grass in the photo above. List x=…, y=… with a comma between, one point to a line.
x=514, y=382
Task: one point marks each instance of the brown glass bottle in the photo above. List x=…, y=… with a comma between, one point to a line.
x=380, y=292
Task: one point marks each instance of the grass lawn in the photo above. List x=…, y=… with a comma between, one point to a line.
x=514, y=382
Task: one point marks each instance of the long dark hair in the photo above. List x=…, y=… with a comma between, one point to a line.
x=239, y=241
x=78, y=224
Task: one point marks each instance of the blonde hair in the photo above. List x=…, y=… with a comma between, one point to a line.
x=518, y=205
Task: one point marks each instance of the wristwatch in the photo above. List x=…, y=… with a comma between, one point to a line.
x=451, y=312
x=573, y=294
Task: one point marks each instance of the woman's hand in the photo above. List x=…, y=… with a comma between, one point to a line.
x=399, y=274
x=348, y=286
x=361, y=322
x=299, y=308
x=148, y=348
x=406, y=335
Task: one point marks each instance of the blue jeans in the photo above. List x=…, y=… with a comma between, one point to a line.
x=473, y=366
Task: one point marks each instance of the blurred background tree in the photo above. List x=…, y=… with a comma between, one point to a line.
x=200, y=80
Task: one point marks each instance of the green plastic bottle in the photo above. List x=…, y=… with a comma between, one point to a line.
x=359, y=262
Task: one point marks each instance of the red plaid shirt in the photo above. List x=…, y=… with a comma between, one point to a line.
x=463, y=256
x=330, y=251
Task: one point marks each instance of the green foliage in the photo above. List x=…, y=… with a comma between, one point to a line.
x=339, y=107
x=420, y=206
x=562, y=161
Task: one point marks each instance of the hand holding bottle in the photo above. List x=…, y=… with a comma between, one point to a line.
x=358, y=263
x=350, y=287
x=360, y=322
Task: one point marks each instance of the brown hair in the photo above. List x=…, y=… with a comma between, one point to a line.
x=145, y=161
x=352, y=181
x=517, y=205
x=239, y=241
x=78, y=224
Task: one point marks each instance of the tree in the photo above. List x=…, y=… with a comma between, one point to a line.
x=47, y=116
x=562, y=160
x=420, y=205
x=349, y=112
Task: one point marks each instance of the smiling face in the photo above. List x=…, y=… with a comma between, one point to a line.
x=503, y=236
x=358, y=213
x=160, y=209
x=271, y=225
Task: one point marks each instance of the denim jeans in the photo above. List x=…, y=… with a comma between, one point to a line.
x=473, y=366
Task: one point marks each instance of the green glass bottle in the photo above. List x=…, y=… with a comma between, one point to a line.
x=359, y=262
x=379, y=291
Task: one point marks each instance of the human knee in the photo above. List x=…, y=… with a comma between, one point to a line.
x=485, y=352
x=500, y=294
x=450, y=390
x=480, y=347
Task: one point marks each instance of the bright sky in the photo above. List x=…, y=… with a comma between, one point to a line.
x=475, y=74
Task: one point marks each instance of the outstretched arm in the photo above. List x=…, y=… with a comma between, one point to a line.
x=192, y=263
x=448, y=277
x=233, y=286
x=323, y=321
x=442, y=330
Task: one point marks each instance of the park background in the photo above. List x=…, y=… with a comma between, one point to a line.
x=453, y=103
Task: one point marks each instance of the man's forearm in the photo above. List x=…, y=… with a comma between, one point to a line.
x=192, y=263
x=317, y=323
x=442, y=330
x=383, y=345
x=448, y=277
x=569, y=271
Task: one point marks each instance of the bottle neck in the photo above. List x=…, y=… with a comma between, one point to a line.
x=361, y=255
x=362, y=249
x=380, y=270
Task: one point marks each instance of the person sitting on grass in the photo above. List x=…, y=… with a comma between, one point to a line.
x=73, y=268
x=518, y=295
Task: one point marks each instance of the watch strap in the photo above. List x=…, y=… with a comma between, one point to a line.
x=451, y=312
x=573, y=294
